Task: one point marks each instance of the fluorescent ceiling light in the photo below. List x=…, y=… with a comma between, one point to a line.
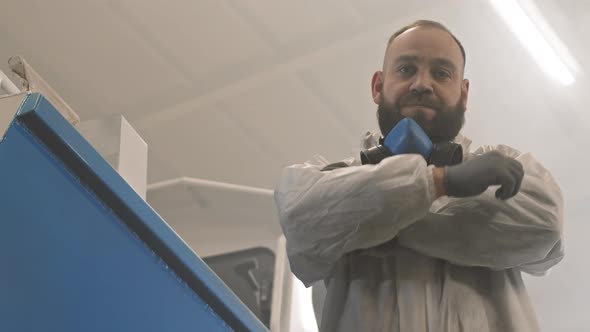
x=528, y=34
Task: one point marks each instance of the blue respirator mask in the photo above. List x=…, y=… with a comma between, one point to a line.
x=408, y=137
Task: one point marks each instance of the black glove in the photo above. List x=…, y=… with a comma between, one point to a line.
x=475, y=175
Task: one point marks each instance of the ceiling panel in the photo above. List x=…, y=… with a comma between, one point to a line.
x=385, y=11
x=283, y=115
x=207, y=144
x=280, y=23
x=95, y=62
x=205, y=39
x=342, y=80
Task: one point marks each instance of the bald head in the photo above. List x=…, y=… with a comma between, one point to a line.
x=427, y=24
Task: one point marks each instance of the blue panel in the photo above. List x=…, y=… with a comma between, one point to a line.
x=81, y=251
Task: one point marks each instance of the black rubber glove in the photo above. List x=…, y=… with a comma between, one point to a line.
x=475, y=175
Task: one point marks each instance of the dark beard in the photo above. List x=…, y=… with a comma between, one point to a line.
x=444, y=127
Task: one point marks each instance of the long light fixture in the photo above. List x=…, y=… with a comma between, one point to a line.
x=529, y=35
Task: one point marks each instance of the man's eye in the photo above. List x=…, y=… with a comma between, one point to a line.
x=442, y=74
x=406, y=70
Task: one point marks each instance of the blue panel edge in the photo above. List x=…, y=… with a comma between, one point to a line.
x=44, y=122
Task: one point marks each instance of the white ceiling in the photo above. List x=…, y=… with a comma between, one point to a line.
x=232, y=91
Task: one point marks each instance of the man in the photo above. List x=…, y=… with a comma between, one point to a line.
x=407, y=246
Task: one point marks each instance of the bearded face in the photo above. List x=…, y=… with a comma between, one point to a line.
x=445, y=125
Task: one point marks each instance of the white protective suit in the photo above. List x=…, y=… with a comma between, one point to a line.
x=395, y=258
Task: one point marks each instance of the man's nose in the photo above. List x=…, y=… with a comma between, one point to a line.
x=422, y=84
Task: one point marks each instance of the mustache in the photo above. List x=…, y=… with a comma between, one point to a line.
x=413, y=101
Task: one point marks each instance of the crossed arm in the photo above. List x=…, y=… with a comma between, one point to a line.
x=326, y=214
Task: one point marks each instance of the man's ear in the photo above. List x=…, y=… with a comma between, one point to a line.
x=464, y=92
x=377, y=86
